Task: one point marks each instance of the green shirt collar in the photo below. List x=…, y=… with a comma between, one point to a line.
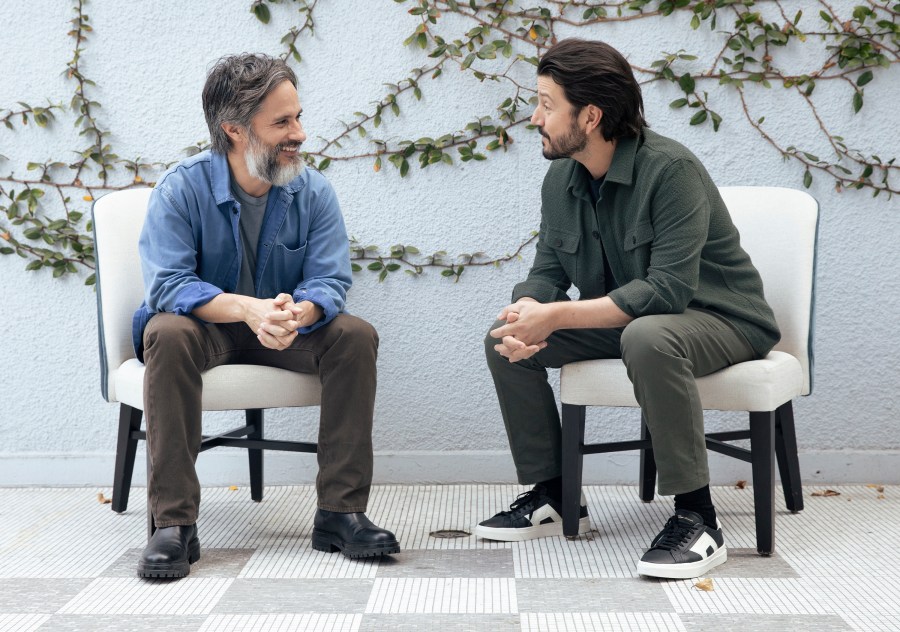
x=621, y=170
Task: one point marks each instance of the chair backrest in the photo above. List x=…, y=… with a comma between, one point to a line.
x=779, y=229
x=117, y=218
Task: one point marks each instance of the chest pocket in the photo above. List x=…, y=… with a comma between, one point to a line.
x=638, y=236
x=562, y=241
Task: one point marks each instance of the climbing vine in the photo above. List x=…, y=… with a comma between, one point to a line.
x=500, y=44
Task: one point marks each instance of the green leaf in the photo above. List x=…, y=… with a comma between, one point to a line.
x=686, y=81
x=857, y=101
x=864, y=78
x=807, y=179
x=261, y=12
x=698, y=118
x=355, y=267
x=404, y=168
x=678, y=103
x=324, y=164
x=34, y=265
x=91, y=280
x=375, y=266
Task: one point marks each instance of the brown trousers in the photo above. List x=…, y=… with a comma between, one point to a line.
x=177, y=349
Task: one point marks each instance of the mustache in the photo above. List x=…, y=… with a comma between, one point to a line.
x=543, y=133
x=283, y=146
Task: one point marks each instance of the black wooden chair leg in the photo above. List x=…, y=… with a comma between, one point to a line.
x=788, y=461
x=255, y=418
x=572, y=461
x=151, y=523
x=126, y=450
x=647, y=481
x=762, y=446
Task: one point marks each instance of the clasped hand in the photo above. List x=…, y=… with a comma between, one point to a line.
x=526, y=330
x=275, y=321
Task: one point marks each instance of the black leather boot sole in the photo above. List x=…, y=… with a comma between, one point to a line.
x=172, y=570
x=330, y=543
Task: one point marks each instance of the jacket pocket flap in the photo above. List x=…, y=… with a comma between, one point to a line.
x=562, y=240
x=638, y=236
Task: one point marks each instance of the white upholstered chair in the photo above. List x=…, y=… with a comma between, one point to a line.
x=117, y=219
x=778, y=229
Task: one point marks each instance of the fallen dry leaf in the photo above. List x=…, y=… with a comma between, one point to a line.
x=878, y=488
x=827, y=492
x=233, y=488
x=880, y=497
x=103, y=500
x=741, y=484
x=705, y=584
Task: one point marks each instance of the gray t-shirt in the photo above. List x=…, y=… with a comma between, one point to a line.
x=253, y=210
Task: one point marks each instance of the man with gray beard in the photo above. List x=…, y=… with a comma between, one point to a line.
x=245, y=260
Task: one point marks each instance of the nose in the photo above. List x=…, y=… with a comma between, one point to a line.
x=297, y=132
x=536, y=118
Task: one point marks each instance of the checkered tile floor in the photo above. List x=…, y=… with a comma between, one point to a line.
x=67, y=563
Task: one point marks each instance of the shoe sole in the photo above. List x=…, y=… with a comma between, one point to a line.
x=173, y=570
x=520, y=534
x=687, y=570
x=330, y=543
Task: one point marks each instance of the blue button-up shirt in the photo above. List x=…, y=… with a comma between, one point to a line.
x=191, y=251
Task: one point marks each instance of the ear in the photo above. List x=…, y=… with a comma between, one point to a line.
x=236, y=133
x=593, y=116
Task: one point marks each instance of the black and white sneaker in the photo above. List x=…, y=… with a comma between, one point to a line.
x=685, y=548
x=532, y=515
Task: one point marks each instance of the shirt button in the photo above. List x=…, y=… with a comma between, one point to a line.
x=557, y=242
x=596, y=235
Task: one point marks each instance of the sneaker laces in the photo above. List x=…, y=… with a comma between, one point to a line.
x=523, y=502
x=674, y=534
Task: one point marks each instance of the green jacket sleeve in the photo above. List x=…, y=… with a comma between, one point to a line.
x=547, y=281
x=679, y=214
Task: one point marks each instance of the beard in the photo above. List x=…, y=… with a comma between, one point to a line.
x=571, y=142
x=262, y=161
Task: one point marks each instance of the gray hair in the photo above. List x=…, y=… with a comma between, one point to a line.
x=235, y=89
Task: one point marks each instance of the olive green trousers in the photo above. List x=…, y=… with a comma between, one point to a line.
x=663, y=355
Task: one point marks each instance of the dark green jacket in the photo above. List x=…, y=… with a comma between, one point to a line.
x=669, y=238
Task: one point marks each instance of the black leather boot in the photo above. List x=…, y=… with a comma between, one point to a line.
x=170, y=552
x=352, y=534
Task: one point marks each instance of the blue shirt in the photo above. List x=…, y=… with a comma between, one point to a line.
x=191, y=250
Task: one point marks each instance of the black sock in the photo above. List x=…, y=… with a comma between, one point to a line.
x=554, y=488
x=700, y=502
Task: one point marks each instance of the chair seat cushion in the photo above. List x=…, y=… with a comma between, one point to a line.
x=231, y=387
x=757, y=385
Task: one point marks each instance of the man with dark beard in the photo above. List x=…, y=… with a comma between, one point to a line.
x=245, y=260
x=633, y=220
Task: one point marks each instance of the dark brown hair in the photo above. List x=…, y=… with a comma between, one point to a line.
x=595, y=73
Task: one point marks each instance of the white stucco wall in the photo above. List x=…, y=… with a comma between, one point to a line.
x=436, y=413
